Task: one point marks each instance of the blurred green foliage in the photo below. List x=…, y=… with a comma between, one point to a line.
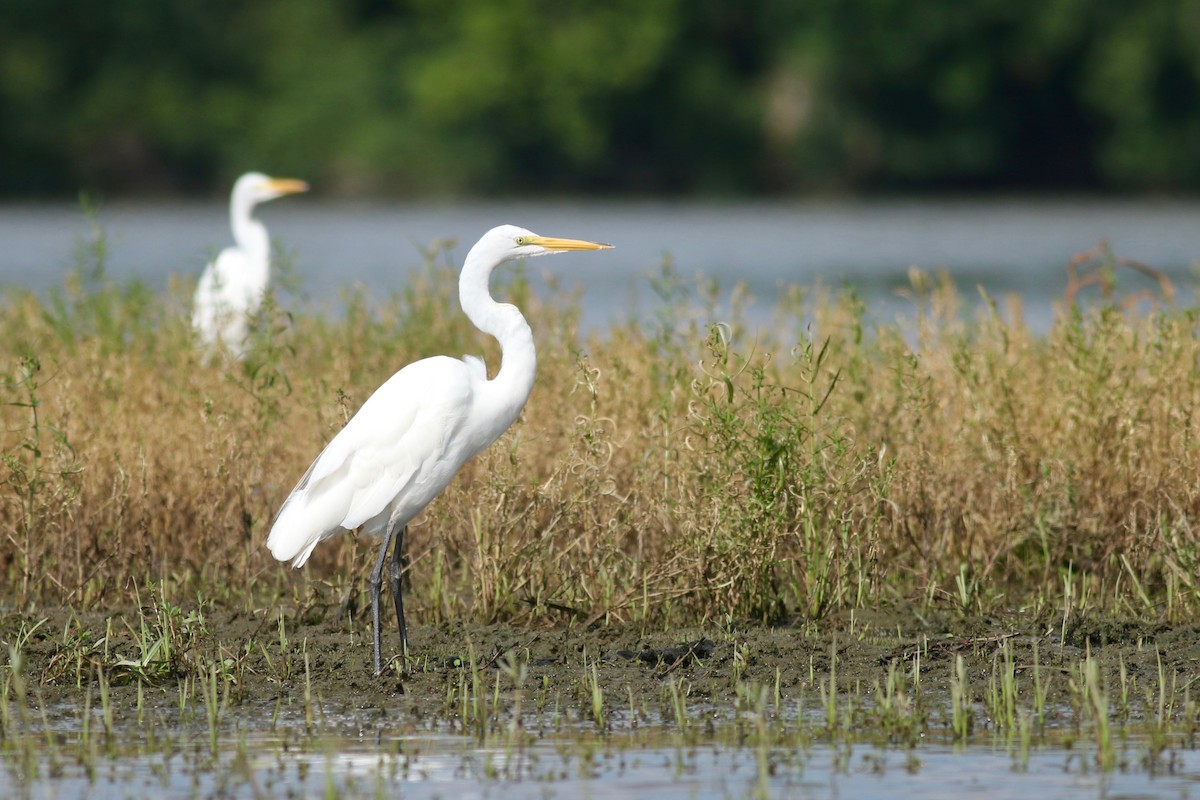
x=498, y=96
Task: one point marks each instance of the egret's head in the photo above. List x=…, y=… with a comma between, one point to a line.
x=254, y=187
x=511, y=242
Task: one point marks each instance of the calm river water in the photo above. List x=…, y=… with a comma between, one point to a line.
x=1003, y=245
x=431, y=767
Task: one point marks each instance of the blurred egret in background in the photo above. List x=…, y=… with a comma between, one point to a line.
x=234, y=284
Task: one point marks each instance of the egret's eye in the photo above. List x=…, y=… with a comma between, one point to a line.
x=521, y=241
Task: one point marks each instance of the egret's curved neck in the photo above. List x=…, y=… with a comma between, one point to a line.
x=248, y=232
x=518, y=365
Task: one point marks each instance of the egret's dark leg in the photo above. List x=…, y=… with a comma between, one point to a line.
x=376, y=588
x=396, y=571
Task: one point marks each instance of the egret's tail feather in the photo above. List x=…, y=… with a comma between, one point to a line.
x=290, y=539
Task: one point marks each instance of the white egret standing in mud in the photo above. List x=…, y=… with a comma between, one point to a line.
x=411, y=436
x=234, y=283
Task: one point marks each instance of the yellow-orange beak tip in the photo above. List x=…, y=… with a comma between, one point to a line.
x=288, y=185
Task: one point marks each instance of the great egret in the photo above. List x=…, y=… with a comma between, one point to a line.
x=233, y=285
x=410, y=438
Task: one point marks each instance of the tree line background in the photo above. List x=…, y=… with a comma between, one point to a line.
x=420, y=97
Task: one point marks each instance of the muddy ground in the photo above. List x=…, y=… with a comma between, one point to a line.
x=261, y=671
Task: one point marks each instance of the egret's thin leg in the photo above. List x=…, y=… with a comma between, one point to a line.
x=376, y=587
x=397, y=570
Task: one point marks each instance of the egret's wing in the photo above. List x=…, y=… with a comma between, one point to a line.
x=398, y=438
x=222, y=299
x=204, y=303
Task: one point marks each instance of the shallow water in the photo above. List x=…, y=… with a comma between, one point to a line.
x=859, y=706
x=642, y=764
x=1003, y=246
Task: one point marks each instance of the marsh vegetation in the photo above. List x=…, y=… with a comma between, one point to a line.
x=837, y=530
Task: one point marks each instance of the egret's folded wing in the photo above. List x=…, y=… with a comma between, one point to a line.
x=414, y=453
x=400, y=432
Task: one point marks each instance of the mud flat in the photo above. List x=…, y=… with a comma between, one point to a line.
x=271, y=658
x=206, y=702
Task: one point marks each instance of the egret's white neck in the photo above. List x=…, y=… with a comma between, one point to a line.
x=250, y=234
x=518, y=365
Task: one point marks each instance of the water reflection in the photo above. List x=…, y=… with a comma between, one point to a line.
x=439, y=766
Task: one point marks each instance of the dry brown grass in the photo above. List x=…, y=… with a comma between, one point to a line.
x=665, y=471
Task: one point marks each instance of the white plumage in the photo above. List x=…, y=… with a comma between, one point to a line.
x=395, y=455
x=234, y=284
x=410, y=438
